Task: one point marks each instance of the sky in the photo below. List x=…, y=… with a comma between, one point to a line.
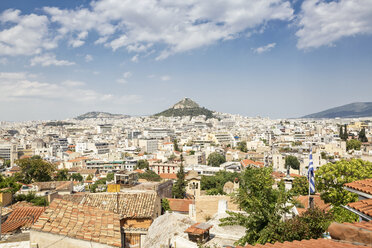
x=272, y=58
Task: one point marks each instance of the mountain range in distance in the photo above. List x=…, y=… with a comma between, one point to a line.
x=352, y=110
x=188, y=107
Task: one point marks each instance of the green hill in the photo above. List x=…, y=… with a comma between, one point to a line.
x=352, y=110
x=186, y=107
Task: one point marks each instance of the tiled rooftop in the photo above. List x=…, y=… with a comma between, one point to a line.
x=131, y=205
x=304, y=200
x=54, y=185
x=179, y=205
x=364, y=186
x=364, y=224
x=168, y=175
x=81, y=222
x=21, y=217
x=363, y=206
x=359, y=232
x=198, y=228
x=312, y=243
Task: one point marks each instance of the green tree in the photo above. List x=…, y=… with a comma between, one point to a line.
x=62, y=175
x=165, y=205
x=89, y=178
x=292, y=162
x=149, y=175
x=341, y=133
x=175, y=145
x=242, y=146
x=215, y=159
x=331, y=177
x=142, y=164
x=77, y=177
x=353, y=144
x=110, y=176
x=346, y=134
x=35, y=169
x=263, y=205
x=179, y=188
x=172, y=157
x=214, y=184
x=300, y=186
x=9, y=184
x=362, y=135
x=192, y=152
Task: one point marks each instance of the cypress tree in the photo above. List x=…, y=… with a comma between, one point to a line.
x=362, y=135
x=341, y=135
x=179, y=188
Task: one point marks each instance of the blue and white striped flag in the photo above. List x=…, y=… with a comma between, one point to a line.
x=310, y=174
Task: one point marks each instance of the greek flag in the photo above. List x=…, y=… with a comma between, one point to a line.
x=310, y=174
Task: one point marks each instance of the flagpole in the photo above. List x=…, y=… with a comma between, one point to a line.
x=308, y=173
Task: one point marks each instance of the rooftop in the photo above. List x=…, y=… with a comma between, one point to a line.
x=364, y=186
x=21, y=217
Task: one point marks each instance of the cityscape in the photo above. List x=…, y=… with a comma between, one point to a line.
x=185, y=124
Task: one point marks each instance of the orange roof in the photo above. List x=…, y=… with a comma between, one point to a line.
x=179, y=205
x=359, y=233
x=167, y=143
x=20, y=217
x=246, y=162
x=364, y=186
x=363, y=206
x=304, y=200
x=311, y=243
x=69, y=152
x=139, y=171
x=78, y=221
x=198, y=228
x=364, y=224
x=168, y=175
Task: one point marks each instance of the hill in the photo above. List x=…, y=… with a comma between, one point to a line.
x=186, y=107
x=352, y=110
x=105, y=115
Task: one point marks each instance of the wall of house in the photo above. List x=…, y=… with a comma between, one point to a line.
x=44, y=240
x=136, y=223
x=207, y=206
x=6, y=198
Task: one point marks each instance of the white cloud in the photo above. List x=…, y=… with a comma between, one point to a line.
x=322, y=23
x=263, y=49
x=127, y=74
x=124, y=78
x=71, y=83
x=135, y=58
x=21, y=86
x=173, y=26
x=24, y=34
x=165, y=78
x=88, y=58
x=48, y=60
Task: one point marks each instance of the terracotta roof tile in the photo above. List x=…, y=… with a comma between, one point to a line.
x=246, y=162
x=318, y=202
x=364, y=224
x=20, y=217
x=168, y=175
x=362, y=185
x=131, y=205
x=80, y=221
x=198, y=228
x=54, y=185
x=317, y=243
x=363, y=206
x=360, y=232
x=179, y=205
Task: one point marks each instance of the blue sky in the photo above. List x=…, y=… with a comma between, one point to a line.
x=274, y=58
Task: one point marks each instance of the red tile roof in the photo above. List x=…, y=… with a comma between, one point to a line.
x=21, y=217
x=363, y=206
x=364, y=225
x=73, y=220
x=364, y=186
x=246, y=162
x=198, y=228
x=168, y=175
x=318, y=202
x=312, y=243
x=360, y=232
x=179, y=205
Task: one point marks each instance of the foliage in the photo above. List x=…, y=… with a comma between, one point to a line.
x=89, y=177
x=353, y=144
x=187, y=112
x=310, y=225
x=110, y=176
x=331, y=177
x=35, y=169
x=31, y=197
x=94, y=186
x=292, y=161
x=165, y=205
x=142, y=164
x=263, y=205
x=175, y=145
x=149, y=175
x=10, y=183
x=300, y=186
x=215, y=159
x=172, y=157
x=342, y=215
x=192, y=152
x=242, y=146
x=341, y=133
x=362, y=135
x=62, y=175
x=77, y=177
x=179, y=188
x=214, y=184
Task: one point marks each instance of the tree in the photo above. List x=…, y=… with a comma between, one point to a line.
x=242, y=146
x=165, y=205
x=346, y=134
x=263, y=205
x=192, y=152
x=215, y=159
x=175, y=145
x=77, y=177
x=62, y=175
x=362, y=135
x=10, y=184
x=35, y=169
x=214, y=184
x=179, y=188
x=300, y=186
x=341, y=134
x=110, y=176
x=149, y=175
x=331, y=177
x=89, y=178
x=142, y=164
x=353, y=144
x=172, y=157
x=292, y=162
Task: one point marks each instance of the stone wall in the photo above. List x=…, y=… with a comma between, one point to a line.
x=207, y=206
